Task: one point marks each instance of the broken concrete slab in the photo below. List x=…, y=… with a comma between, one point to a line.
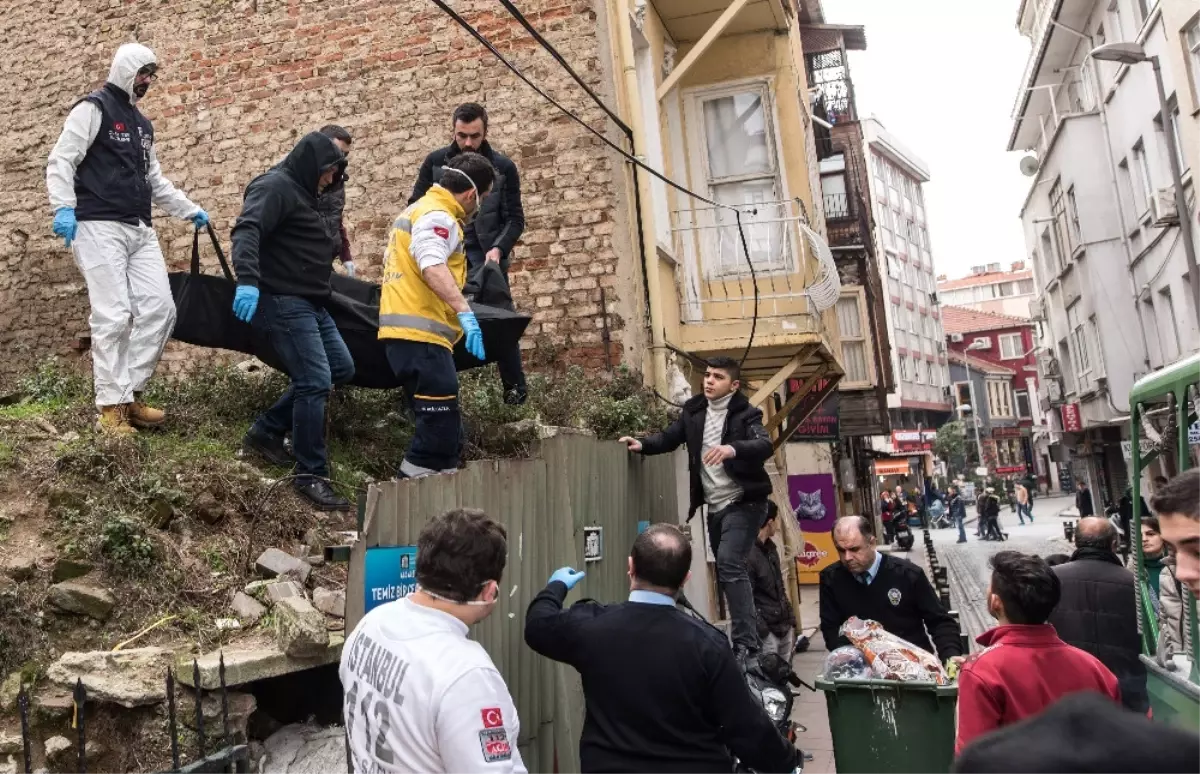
x=10, y=689
x=58, y=751
x=131, y=678
x=288, y=589
x=330, y=602
x=300, y=628
x=69, y=569
x=248, y=666
x=10, y=744
x=248, y=609
x=241, y=707
x=54, y=706
x=298, y=749
x=82, y=599
x=274, y=563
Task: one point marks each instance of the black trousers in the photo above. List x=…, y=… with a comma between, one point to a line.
x=512, y=373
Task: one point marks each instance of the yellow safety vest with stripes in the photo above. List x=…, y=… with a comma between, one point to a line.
x=408, y=307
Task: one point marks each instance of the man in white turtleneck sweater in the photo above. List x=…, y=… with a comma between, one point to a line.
x=727, y=448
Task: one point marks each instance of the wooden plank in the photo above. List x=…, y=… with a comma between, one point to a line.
x=702, y=45
x=795, y=364
x=793, y=401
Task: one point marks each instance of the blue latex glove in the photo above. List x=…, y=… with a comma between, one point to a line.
x=245, y=302
x=64, y=224
x=470, y=327
x=568, y=576
x=349, y=267
x=200, y=219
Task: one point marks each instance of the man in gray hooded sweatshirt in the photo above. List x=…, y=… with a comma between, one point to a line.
x=102, y=177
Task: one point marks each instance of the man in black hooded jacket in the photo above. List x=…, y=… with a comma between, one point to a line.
x=283, y=256
x=727, y=450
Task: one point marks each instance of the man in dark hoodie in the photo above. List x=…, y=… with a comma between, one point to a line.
x=283, y=256
x=727, y=449
x=491, y=236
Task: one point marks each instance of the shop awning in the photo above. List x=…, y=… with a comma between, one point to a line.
x=892, y=467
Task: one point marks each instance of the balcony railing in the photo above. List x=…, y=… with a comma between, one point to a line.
x=794, y=269
x=838, y=206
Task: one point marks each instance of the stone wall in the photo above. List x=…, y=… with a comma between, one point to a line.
x=241, y=80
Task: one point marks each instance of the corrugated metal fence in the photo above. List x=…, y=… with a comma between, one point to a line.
x=573, y=481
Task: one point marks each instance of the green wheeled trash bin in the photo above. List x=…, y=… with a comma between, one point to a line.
x=890, y=726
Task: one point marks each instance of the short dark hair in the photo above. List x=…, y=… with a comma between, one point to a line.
x=474, y=166
x=1054, y=560
x=772, y=512
x=1160, y=481
x=459, y=552
x=1027, y=587
x=1098, y=532
x=1152, y=523
x=335, y=132
x=662, y=556
x=1180, y=495
x=469, y=112
x=726, y=364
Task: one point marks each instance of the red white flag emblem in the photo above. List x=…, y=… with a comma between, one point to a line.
x=442, y=231
x=492, y=718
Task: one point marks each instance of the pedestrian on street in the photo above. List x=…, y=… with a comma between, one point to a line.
x=990, y=514
x=893, y=591
x=1083, y=500
x=102, y=176
x=1097, y=612
x=1177, y=505
x=887, y=513
x=727, y=452
x=420, y=695
x=423, y=314
x=332, y=202
x=1024, y=667
x=1084, y=732
x=283, y=258
x=491, y=236
x=958, y=512
x=662, y=689
x=776, y=619
x=1024, y=504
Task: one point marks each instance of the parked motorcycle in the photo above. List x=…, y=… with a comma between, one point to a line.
x=903, y=534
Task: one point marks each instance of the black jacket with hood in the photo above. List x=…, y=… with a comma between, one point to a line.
x=775, y=615
x=501, y=218
x=280, y=243
x=744, y=431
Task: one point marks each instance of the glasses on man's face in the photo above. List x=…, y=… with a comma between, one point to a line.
x=148, y=74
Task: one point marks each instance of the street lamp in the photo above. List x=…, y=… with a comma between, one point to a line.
x=1131, y=54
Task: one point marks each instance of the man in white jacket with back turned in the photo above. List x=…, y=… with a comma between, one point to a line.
x=102, y=177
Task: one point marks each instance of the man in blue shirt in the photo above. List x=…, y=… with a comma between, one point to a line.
x=662, y=688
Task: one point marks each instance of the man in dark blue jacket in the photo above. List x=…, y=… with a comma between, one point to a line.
x=494, y=232
x=662, y=689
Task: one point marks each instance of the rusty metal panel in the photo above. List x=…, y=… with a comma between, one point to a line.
x=544, y=503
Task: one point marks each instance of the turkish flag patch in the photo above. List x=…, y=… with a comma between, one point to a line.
x=120, y=127
x=444, y=233
x=492, y=718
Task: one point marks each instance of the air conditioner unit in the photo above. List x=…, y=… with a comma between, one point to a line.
x=956, y=338
x=983, y=342
x=1162, y=207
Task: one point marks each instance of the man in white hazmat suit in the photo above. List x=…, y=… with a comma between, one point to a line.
x=102, y=177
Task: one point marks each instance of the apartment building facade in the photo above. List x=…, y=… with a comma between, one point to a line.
x=992, y=289
x=1114, y=300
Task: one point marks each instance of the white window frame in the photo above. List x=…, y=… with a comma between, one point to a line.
x=1141, y=167
x=1017, y=349
x=985, y=339
x=1017, y=404
x=1191, y=43
x=1080, y=356
x=1000, y=399
x=858, y=294
x=904, y=368
x=713, y=267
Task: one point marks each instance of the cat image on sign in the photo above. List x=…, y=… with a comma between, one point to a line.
x=810, y=507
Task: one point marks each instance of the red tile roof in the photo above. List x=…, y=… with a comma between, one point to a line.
x=959, y=319
x=988, y=278
x=982, y=366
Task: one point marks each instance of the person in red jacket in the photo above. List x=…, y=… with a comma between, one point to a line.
x=1024, y=667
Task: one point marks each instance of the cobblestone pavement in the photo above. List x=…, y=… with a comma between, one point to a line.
x=968, y=562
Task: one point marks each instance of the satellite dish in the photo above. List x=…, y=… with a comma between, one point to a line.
x=1030, y=166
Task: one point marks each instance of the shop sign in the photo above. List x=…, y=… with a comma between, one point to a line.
x=822, y=421
x=1008, y=432
x=1072, y=418
x=1127, y=449
x=913, y=440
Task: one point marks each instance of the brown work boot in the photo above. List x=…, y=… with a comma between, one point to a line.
x=141, y=415
x=114, y=420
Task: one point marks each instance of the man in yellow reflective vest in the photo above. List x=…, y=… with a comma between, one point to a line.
x=423, y=314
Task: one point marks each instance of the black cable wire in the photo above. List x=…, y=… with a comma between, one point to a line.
x=603, y=138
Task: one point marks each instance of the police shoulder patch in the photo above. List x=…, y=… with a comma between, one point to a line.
x=494, y=742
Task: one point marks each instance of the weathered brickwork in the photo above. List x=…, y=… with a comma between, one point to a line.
x=241, y=80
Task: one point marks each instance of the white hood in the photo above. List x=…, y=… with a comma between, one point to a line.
x=129, y=58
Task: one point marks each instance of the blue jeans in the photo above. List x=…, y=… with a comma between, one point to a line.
x=430, y=381
x=962, y=531
x=315, y=358
x=732, y=533
x=1025, y=510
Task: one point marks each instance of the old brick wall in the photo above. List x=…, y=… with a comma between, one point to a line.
x=241, y=80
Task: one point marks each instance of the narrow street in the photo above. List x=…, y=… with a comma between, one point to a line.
x=968, y=563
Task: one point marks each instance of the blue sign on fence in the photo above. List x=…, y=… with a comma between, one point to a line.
x=390, y=574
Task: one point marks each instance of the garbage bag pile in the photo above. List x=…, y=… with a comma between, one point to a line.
x=879, y=654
